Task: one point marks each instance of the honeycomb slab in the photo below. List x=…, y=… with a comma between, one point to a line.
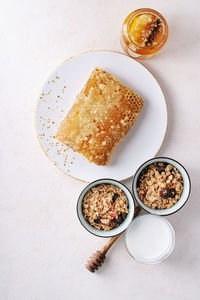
x=101, y=116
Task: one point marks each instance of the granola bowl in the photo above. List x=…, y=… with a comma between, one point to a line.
x=105, y=207
x=161, y=186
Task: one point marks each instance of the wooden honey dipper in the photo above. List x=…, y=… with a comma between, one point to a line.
x=97, y=258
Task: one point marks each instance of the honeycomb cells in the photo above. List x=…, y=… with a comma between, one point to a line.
x=107, y=110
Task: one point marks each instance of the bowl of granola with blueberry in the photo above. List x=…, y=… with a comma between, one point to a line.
x=161, y=186
x=105, y=207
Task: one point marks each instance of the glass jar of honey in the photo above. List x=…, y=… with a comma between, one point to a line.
x=144, y=33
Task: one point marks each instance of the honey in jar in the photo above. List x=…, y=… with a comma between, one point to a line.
x=144, y=33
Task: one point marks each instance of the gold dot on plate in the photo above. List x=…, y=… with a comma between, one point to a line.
x=64, y=86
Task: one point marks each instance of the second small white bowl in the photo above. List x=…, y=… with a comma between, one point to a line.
x=123, y=225
x=186, y=187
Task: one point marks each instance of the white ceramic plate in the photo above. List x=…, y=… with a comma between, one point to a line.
x=140, y=144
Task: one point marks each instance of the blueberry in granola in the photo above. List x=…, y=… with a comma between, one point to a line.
x=115, y=196
x=121, y=218
x=171, y=193
x=97, y=220
x=160, y=167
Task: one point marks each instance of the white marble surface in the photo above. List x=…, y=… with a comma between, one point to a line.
x=43, y=247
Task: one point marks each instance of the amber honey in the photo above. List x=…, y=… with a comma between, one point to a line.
x=144, y=33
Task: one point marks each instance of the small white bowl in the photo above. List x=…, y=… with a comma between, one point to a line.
x=122, y=226
x=186, y=187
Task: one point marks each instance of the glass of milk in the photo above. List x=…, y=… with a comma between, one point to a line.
x=150, y=239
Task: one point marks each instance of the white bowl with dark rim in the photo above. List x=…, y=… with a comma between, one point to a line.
x=123, y=225
x=185, y=193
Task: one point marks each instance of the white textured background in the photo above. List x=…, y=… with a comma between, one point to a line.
x=43, y=247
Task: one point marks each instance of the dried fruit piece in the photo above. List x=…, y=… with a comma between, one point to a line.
x=141, y=196
x=171, y=193
x=160, y=167
x=113, y=215
x=168, y=193
x=97, y=220
x=115, y=196
x=121, y=218
x=163, y=193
